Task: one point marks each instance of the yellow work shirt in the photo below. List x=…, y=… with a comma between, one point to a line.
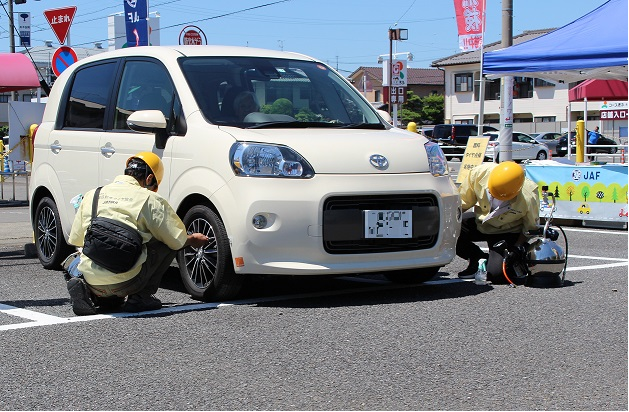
x=124, y=200
x=523, y=212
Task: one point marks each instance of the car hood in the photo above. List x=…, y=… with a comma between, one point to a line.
x=346, y=151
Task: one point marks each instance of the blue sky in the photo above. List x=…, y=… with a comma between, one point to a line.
x=346, y=34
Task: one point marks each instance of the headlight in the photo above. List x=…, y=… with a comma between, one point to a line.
x=436, y=159
x=265, y=160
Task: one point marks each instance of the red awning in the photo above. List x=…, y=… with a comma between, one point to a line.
x=599, y=90
x=17, y=72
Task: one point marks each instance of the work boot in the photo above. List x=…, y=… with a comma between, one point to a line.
x=80, y=297
x=138, y=303
x=470, y=271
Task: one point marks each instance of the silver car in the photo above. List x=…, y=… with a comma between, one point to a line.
x=550, y=139
x=523, y=147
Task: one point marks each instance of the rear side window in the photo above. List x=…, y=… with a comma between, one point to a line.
x=89, y=95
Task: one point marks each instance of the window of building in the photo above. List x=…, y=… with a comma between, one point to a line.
x=522, y=87
x=542, y=83
x=545, y=119
x=377, y=95
x=4, y=98
x=88, y=97
x=463, y=82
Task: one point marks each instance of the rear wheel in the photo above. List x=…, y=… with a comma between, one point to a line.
x=208, y=272
x=613, y=150
x=50, y=244
x=542, y=155
x=409, y=276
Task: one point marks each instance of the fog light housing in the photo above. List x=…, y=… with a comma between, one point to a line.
x=259, y=221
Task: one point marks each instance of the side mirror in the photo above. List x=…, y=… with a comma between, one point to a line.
x=150, y=122
x=385, y=115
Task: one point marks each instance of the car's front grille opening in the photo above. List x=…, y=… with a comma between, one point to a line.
x=344, y=223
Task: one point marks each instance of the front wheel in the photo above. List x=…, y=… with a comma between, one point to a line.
x=208, y=272
x=409, y=276
x=51, y=246
x=542, y=155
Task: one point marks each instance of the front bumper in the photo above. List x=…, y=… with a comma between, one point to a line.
x=297, y=238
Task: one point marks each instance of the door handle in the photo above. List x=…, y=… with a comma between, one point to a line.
x=107, y=150
x=55, y=146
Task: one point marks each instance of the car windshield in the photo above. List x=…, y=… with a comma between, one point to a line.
x=256, y=92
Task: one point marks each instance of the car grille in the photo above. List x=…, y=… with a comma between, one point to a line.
x=343, y=223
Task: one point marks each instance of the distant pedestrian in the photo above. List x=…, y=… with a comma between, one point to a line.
x=593, y=137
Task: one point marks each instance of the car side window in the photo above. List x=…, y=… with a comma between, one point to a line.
x=88, y=96
x=145, y=85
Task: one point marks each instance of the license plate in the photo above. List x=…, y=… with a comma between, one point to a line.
x=395, y=224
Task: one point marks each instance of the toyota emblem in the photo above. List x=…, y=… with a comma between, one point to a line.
x=379, y=162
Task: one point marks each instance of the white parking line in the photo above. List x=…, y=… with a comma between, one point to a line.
x=42, y=319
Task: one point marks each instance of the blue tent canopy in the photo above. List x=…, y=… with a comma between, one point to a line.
x=592, y=47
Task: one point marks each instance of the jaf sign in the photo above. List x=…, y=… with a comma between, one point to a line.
x=192, y=36
x=60, y=21
x=470, y=16
x=62, y=58
x=136, y=22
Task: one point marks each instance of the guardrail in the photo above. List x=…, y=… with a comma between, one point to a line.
x=8, y=183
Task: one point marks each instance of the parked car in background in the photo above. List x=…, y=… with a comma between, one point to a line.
x=562, y=145
x=453, y=137
x=523, y=147
x=550, y=139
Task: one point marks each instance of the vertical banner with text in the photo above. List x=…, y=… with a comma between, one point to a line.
x=136, y=22
x=470, y=20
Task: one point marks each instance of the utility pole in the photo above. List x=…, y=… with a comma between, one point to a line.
x=11, y=39
x=506, y=94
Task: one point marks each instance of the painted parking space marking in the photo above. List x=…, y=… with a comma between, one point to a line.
x=41, y=319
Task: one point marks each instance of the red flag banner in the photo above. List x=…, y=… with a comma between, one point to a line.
x=470, y=19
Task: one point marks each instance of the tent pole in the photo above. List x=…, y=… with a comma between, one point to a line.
x=481, y=92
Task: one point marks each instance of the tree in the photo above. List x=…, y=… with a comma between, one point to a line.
x=433, y=109
x=600, y=195
x=556, y=192
x=411, y=109
x=585, y=192
x=570, y=190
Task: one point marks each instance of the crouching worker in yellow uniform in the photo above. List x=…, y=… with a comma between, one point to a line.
x=506, y=206
x=131, y=200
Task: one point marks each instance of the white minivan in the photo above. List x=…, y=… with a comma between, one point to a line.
x=273, y=155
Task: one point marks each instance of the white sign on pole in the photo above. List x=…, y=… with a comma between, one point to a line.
x=399, y=73
x=24, y=27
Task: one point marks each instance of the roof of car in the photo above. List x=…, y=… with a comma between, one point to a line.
x=173, y=52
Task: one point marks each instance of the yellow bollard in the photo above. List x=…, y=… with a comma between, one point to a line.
x=411, y=127
x=580, y=140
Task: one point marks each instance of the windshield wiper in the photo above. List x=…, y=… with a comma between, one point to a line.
x=303, y=125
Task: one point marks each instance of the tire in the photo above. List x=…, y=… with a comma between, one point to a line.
x=409, y=276
x=50, y=244
x=208, y=273
x=613, y=150
x=541, y=155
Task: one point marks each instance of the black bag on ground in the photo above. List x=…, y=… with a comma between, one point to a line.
x=111, y=244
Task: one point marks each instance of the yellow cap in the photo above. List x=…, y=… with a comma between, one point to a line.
x=506, y=180
x=153, y=161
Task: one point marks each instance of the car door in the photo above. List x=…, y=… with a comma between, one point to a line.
x=144, y=85
x=74, y=143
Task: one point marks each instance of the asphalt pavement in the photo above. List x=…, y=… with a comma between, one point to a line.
x=323, y=343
